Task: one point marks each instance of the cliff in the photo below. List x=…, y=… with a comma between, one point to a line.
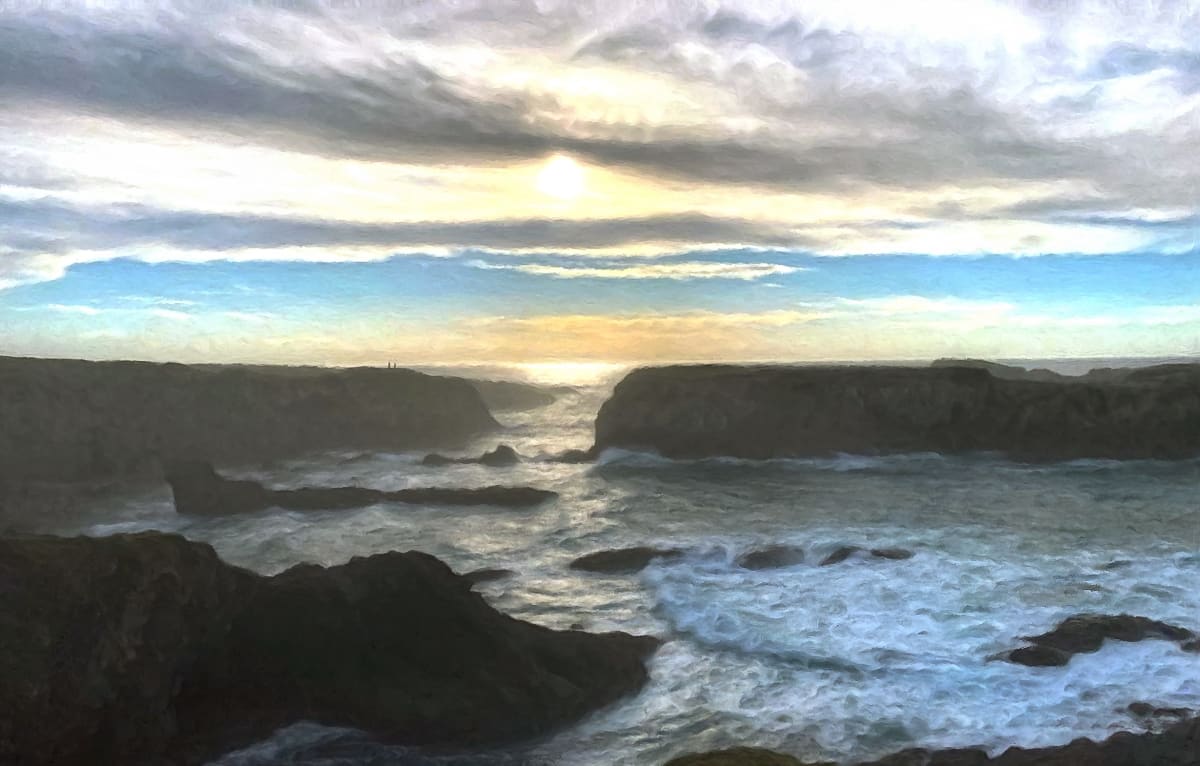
x=764, y=412
x=148, y=649
x=69, y=420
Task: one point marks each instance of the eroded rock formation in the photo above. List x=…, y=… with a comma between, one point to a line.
x=148, y=649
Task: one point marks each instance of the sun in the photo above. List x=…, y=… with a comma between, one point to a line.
x=561, y=177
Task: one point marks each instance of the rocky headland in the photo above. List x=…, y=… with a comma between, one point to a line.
x=67, y=423
x=148, y=649
x=768, y=411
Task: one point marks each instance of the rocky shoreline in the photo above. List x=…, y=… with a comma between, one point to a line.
x=769, y=411
x=148, y=649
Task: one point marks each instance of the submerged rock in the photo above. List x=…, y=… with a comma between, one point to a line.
x=767, y=412
x=892, y=554
x=1147, y=710
x=840, y=555
x=1086, y=633
x=739, y=756
x=148, y=649
x=487, y=575
x=623, y=560
x=772, y=557
x=501, y=457
x=1178, y=745
x=847, y=551
x=199, y=490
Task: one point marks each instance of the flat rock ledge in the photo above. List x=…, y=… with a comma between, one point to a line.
x=200, y=491
x=148, y=649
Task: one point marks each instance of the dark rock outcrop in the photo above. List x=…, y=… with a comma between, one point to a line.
x=1178, y=745
x=1086, y=633
x=503, y=395
x=200, y=491
x=575, y=456
x=501, y=457
x=772, y=557
x=147, y=649
x=623, y=560
x=764, y=412
x=73, y=421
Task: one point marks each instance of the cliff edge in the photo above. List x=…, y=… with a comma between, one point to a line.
x=67, y=420
x=767, y=411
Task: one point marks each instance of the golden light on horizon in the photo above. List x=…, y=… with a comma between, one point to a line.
x=561, y=178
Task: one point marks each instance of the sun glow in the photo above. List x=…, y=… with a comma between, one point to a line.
x=562, y=178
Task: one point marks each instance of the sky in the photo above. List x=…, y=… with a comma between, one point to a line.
x=627, y=182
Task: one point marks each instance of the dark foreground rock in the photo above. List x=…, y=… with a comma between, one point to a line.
x=200, y=491
x=501, y=457
x=623, y=560
x=1086, y=633
x=765, y=412
x=148, y=649
x=1178, y=745
x=74, y=422
x=772, y=557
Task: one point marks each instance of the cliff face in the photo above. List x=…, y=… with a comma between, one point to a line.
x=148, y=649
x=70, y=420
x=763, y=412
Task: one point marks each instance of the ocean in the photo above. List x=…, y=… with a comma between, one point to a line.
x=842, y=662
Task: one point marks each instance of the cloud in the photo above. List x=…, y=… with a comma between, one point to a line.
x=677, y=270
x=44, y=236
x=175, y=316
x=820, y=126
x=832, y=98
x=72, y=309
x=905, y=305
x=255, y=317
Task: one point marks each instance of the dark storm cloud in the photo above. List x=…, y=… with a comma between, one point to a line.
x=42, y=226
x=168, y=69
